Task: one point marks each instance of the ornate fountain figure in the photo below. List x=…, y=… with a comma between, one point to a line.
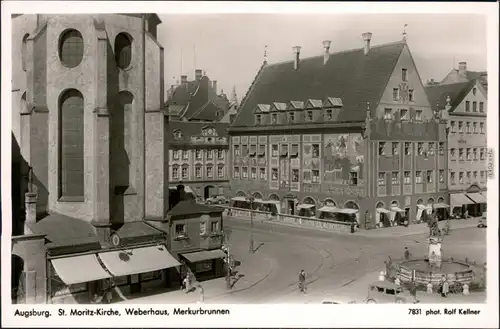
x=435, y=240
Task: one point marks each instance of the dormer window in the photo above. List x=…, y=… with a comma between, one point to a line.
x=177, y=134
x=329, y=114
x=274, y=118
x=309, y=116
x=291, y=116
x=258, y=119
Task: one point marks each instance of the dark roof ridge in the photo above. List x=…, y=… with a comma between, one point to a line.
x=338, y=52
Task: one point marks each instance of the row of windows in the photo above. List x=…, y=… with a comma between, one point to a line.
x=470, y=175
x=404, y=114
x=181, y=228
x=470, y=127
x=469, y=154
x=209, y=154
x=293, y=151
x=292, y=117
x=71, y=48
x=407, y=179
x=184, y=172
x=422, y=148
x=474, y=106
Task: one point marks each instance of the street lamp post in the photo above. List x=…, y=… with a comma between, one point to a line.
x=251, y=199
x=228, y=258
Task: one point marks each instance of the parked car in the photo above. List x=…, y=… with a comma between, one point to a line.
x=482, y=222
x=218, y=199
x=385, y=292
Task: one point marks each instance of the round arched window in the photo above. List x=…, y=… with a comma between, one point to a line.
x=71, y=48
x=123, y=50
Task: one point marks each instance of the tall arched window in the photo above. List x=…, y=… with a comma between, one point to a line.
x=121, y=139
x=123, y=50
x=71, y=48
x=71, y=133
x=24, y=49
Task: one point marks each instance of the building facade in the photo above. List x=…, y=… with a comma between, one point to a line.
x=350, y=133
x=88, y=114
x=195, y=238
x=464, y=105
x=198, y=157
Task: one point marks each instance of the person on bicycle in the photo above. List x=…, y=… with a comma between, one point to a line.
x=302, y=281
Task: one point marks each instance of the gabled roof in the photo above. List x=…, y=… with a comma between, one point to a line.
x=278, y=106
x=264, y=108
x=456, y=91
x=471, y=75
x=314, y=103
x=333, y=101
x=190, y=207
x=296, y=105
x=350, y=75
x=194, y=128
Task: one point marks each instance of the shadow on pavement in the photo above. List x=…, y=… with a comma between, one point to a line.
x=260, y=245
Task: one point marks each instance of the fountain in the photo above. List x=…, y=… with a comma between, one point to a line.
x=432, y=268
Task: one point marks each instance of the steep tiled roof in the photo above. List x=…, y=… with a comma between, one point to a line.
x=197, y=100
x=190, y=207
x=193, y=128
x=350, y=75
x=208, y=112
x=456, y=91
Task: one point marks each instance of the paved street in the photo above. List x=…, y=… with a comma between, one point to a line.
x=336, y=264
x=334, y=260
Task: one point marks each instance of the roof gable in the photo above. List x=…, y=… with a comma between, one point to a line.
x=296, y=105
x=439, y=95
x=332, y=102
x=262, y=108
x=313, y=104
x=182, y=131
x=278, y=106
x=351, y=75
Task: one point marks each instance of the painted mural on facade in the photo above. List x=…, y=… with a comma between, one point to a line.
x=344, y=158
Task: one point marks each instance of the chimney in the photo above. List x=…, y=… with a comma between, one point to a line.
x=214, y=85
x=30, y=199
x=367, y=37
x=462, y=68
x=198, y=74
x=326, y=55
x=296, y=51
x=184, y=80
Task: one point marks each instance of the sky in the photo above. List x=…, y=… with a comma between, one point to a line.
x=230, y=47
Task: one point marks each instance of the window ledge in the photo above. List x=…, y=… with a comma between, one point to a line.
x=71, y=199
x=181, y=237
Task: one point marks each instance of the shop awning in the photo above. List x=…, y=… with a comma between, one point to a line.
x=78, y=269
x=328, y=209
x=347, y=211
x=459, y=199
x=396, y=209
x=239, y=198
x=306, y=206
x=441, y=205
x=199, y=256
x=138, y=260
x=476, y=197
x=383, y=210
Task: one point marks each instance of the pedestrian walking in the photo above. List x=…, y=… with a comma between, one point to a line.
x=445, y=286
x=407, y=254
x=302, y=281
